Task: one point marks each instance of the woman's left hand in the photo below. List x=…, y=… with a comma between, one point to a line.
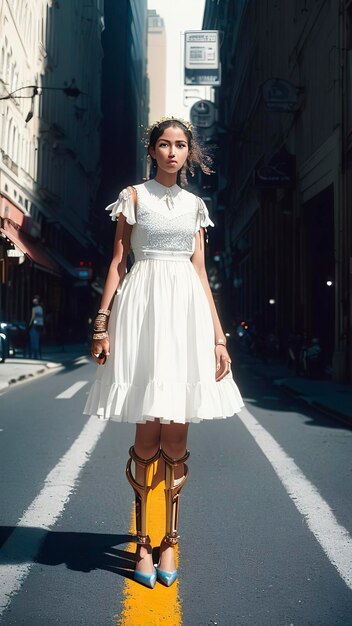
x=223, y=362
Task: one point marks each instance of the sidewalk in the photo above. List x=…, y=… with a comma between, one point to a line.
x=332, y=398
x=53, y=357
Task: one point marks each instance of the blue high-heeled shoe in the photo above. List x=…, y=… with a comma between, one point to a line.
x=166, y=578
x=148, y=580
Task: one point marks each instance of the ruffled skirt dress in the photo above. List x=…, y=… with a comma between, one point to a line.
x=162, y=362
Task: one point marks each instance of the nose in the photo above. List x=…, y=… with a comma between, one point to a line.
x=171, y=151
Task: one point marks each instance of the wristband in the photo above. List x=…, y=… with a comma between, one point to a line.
x=220, y=342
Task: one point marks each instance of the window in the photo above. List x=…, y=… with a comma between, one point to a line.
x=2, y=62
x=13, y=74
x=13, y=144
x=16, y=149
x=9, y=132
x=7, y=68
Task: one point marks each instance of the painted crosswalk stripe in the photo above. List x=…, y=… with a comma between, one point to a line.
x=23, y=545
x=71, y=391
x=332, y=536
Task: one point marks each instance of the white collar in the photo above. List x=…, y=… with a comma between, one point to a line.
x=162, y=192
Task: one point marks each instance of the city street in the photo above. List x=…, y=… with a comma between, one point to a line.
x=266, y=516
x=161, y=162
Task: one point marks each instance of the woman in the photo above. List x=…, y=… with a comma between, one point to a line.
x=36, y=327
x=169, y=365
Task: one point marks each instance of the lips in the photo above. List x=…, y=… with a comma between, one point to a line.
x=172, y=162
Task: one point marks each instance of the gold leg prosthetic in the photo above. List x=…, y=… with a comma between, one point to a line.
x=141, y=491
x=173, y=487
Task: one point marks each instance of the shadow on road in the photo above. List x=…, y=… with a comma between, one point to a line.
x=82, y=552
x=71, y=366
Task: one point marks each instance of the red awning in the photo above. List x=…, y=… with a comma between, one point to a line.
x=10, y=211
x=30, y=247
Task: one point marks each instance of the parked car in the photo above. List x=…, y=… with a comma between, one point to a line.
x=13, y=339
x=4, y=343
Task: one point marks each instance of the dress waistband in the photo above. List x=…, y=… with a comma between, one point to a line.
x=162, y=255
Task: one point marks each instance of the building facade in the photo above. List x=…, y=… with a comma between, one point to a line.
x=156, y=66
x=50, y=116
x=124, y=106
x=285, y=117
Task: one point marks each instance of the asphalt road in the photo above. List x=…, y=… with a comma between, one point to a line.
x=266, y=517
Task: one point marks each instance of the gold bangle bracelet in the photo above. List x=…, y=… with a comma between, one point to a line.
x=104, y=312
x=220, y=342
x=101, y=322
x=100, y=335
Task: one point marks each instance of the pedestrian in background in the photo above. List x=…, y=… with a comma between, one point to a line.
x=36, y=327
x=169, y=365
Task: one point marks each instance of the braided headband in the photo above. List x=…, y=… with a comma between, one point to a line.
x=147, y=130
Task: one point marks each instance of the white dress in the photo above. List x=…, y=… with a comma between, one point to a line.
x=162, y=362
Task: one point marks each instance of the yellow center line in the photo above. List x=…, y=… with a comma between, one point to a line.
x=151, y=607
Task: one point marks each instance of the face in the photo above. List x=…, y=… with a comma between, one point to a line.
x=171, y=150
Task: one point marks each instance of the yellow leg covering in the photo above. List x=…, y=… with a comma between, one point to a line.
x=172, y=495
x=141, y=491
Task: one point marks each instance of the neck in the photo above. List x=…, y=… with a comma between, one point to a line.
x=166, y=179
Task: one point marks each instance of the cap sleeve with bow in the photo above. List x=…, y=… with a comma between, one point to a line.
x=125, y=205
x=203, y=220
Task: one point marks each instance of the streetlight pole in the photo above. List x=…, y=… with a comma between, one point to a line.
x=71, y=91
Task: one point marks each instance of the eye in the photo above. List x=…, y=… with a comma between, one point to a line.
x=182, y=145
x=163, y=144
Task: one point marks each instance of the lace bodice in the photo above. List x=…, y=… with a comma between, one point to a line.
x=167, y=218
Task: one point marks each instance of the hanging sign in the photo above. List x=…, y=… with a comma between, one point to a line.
x=280, y=171
x=281, y=95
x=202, y=65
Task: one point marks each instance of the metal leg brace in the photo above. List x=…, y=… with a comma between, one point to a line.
x=141, y=491
x=172, y=495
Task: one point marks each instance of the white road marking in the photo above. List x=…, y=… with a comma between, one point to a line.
x=21, y=548
x=70, y=392
x=332, y=536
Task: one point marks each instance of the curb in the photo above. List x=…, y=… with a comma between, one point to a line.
x=25, y=377
x=332, y=413
x=283, y=384
x=49, y=367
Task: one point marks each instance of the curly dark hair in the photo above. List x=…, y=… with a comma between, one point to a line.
x=197, y=155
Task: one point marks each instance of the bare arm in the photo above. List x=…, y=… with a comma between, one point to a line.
x=117, y=268
x=114, y=277
x=221, y=354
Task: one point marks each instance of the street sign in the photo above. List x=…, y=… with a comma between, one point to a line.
x=203, y=114
x=202, y=65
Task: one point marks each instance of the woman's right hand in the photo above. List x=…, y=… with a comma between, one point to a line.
x=100, y=350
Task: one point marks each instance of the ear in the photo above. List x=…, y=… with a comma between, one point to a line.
x=152, y=152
